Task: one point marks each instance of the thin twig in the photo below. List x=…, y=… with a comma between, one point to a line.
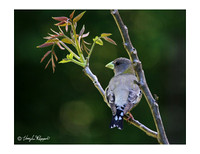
x=134, y=122
x=132, y=52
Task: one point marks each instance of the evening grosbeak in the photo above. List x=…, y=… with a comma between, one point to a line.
x=122, y=93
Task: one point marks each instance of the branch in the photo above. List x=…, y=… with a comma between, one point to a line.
x=132, y=52
x=134, y=122
x=142, y=127
x=95, y=81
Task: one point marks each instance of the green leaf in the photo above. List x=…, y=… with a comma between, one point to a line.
x=105, y=34
x=65, y=60
x=67, y=40
x=97, y=40
x=52, y=40
x=78, y=17
x=69, y=56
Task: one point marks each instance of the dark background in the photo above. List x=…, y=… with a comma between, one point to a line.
x=67, y=107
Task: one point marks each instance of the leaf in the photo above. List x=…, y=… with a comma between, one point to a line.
x=60, y=18
x=69, y=56
x=47, y=63
x=82, y=31
x=60, y=30
x=85, y=35
x=60, y=46
x=53, y=64
x=63, y=23
x=55, y=56
x=65, y=60
x=86, y=42
x=105, y=34
x=109, y=40
x=97, y=40
x=45, y=55
x=66, y=27
x=54, y=31
x=54, y=40
x=75, y=25
x=67, y=40
x=78, y=17
x=85, y=48
x=47, y=37
x=46, y=44
x=72, y=14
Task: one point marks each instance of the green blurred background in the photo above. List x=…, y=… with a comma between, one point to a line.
x=68, y=108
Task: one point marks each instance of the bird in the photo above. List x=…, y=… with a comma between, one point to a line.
x=123, y=92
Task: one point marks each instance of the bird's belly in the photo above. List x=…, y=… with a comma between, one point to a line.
x=121, y=98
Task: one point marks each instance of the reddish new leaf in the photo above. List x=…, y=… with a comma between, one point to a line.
x=72, y=14
x=60, y=18
x=60, y=46
x=46, y=54
x=109, y=40
x=47, y=37
x=62, y=23
x=55, y=56
x=47, y=63
x=55, y=32
x=53, y=64
x=45, y=44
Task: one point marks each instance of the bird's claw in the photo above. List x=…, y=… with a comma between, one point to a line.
x=129, y=117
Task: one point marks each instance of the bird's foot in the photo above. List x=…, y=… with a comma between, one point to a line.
x=129, y=117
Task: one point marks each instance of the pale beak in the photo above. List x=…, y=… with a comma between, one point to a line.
x=110, y=65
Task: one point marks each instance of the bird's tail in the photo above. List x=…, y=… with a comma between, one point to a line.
x=117, y=120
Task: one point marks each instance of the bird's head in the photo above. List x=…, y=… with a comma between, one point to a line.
x=121, y=66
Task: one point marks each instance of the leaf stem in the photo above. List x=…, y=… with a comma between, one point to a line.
x=77, y=44
x=78, y=63
x=66, y=47
x=88, y=57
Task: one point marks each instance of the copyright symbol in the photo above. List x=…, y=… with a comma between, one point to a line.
x=19, y=138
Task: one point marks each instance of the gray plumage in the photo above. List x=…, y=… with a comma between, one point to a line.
x=122, y=93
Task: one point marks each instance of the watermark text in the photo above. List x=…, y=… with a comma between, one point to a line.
x=30, y=138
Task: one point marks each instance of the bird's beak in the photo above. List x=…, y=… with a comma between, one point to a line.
x=110, y=65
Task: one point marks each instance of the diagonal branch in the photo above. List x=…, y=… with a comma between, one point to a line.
x=132, y=52
x=142, y=127
x=134, y=122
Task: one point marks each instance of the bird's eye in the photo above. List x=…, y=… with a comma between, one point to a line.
x=117, y=63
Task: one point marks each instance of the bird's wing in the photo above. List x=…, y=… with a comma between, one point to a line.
x=133, y=99
x=111, y=99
